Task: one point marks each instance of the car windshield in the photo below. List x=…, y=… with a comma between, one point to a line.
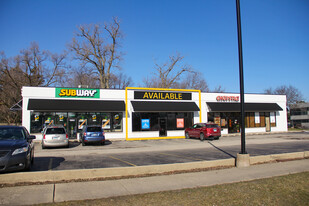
x=94, y=129
x=55, y=131
x=12, y=134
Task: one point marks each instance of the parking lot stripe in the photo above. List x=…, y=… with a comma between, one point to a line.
x=191, y=158
x=50, y=164
x=122, y=161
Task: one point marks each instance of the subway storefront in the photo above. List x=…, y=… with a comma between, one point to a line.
x=146, y=113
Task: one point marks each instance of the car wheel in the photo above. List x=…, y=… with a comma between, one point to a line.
x=28, y=165
x=187, y=135
x=32, y=159
x=202, y=137
x=103, y=143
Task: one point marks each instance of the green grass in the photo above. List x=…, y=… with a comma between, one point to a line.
x=284, y=190
x=297, y=129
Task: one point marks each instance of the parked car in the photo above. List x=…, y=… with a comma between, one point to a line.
x=203, y=131
x=16, y=148
x=92, y=134
x=55, y=136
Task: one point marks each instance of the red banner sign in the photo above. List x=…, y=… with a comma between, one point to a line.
x=227, y=98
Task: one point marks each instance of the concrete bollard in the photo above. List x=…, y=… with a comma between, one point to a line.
x=242, y=160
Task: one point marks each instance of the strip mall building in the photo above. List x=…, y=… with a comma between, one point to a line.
x=145, y=113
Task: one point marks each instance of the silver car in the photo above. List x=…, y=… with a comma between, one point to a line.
x=54, y=136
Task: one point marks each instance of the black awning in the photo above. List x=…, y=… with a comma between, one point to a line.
x=249, y=107
x=156, y=106
x=75, y=105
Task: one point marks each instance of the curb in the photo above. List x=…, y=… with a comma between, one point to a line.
x=47, y=177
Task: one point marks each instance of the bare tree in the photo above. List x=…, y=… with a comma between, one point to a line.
x=293, y=95
x=194, y=80
x=32, y=67
x=120, y=81
x=218, y=89
x=98, y=47
x=83, y=77
x=38, y=68
x=168, y=73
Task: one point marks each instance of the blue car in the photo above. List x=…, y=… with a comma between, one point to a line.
x=16, y=148
x=92, y=134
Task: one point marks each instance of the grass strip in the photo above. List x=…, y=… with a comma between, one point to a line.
x=283, y=190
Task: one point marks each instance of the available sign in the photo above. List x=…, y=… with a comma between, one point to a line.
x=162, y=95
x=77, y=93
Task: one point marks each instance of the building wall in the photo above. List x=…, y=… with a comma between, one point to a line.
x=49, y=93
x=109, y=94
x=155, y=134
x=281, y=116
x=300, y=115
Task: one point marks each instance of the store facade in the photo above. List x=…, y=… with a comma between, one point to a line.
x=263, y=113
x=73, y=108
x=146, y=113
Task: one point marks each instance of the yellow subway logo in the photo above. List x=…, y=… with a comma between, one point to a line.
x=77, y=93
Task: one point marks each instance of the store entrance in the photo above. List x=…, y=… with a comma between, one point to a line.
x=233, y=122
x=72, y=128
x=163, y=127
x=267, y=122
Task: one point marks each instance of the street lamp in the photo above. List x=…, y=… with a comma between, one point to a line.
x=242, y=159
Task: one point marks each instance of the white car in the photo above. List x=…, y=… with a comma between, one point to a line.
x=55, y=136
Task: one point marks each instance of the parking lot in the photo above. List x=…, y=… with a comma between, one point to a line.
x=152, y=152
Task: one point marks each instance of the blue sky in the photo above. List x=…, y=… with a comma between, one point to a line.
x=275, y=36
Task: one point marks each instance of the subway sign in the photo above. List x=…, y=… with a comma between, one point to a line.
x=162, y=95
x=77, y=93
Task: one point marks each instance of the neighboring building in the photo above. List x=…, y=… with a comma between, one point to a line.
x=151, y=113
x=300, y=115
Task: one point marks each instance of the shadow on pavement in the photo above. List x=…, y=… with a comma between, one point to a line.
x=221, y=150
x=46, y=163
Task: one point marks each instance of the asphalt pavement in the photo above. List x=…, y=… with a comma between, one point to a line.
x=80, y=184
x=59, y=192
x=156, y=152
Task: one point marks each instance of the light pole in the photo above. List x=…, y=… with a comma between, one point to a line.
x=243, y=159
x=241, y=80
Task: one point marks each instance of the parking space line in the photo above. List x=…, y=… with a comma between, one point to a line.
x=122, y=161
x=182, y=156
x=50, y=164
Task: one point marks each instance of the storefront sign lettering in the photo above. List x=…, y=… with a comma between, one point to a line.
x=77, y=93
x=162, y=95
x=227, y=98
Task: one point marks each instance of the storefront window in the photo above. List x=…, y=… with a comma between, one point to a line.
x=61, y=118
x=105, y=119
x=231, y=120
x=262, y=119
x=273, y=119
x=36, y=122
x=250, y=119
x=117, y=122
x=175, y=120
x=75, y=121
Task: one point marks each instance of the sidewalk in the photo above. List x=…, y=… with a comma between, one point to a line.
x=27, y=195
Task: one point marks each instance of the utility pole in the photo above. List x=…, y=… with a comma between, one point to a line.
x=243, y=159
